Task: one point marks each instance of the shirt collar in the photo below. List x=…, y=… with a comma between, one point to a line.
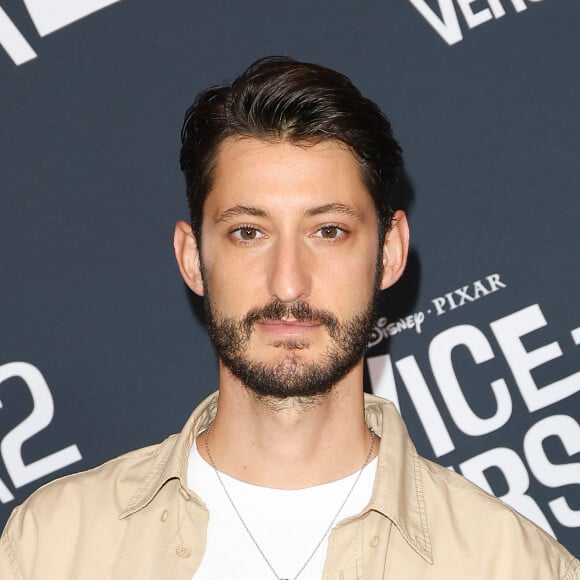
x=172, y=458
x=398, y=489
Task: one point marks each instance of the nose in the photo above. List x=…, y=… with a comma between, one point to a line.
x=289, y=276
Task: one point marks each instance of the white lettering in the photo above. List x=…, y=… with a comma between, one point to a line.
x=517, y=479
x=479, y=290
x=419, y=318
x=13, y=42
x=445, y=24
x=519, y=5
x=496, y=8
x=463, y=294
x=40, y=417
x=383, y=383
x=494, y=282
x=425, y=406
x=383, y=378
x=5, y=495
x=450, y=301
x=439, y=303
x=567, y=430
x=440, y=351
x=508, y=331
x=56, y=14
x=473, y=19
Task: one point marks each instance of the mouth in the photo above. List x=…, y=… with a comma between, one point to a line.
x=290, y=327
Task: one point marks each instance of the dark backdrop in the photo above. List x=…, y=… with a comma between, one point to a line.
x=100, y=350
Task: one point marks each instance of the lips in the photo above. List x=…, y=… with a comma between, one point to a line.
x=288, y=326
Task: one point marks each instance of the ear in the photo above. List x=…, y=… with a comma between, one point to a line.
x=187, y=256
x=395, y=249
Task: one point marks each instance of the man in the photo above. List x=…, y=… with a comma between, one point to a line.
x=290, y=472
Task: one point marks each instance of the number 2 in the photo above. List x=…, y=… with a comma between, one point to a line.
x=40, y=417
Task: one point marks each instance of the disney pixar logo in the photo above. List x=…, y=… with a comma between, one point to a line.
x=47, y=16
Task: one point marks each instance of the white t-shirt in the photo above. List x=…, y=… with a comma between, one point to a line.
x=287, y=524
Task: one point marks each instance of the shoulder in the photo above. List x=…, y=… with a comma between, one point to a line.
x=462, y=512
x=462, y=522
x=83, y=509
x=105, y=489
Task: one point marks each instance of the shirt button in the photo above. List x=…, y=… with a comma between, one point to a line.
x=183, y=551
x=164, y=515
x=374, y=541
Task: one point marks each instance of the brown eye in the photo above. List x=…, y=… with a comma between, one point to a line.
x=247, y=234
x=329, y=232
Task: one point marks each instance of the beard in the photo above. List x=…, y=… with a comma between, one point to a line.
x=291, y=376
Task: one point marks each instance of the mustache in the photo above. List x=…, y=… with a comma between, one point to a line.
x=298, y=310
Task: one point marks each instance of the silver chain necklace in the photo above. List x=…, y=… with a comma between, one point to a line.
x=367, y=459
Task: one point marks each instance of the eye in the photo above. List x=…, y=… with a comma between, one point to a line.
x=330, y=232
x=247, y=234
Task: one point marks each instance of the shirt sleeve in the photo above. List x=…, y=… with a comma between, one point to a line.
x=9, y=569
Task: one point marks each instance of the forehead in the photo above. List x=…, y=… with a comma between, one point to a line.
x=258, y=171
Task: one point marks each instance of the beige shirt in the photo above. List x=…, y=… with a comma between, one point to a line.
x=134, y=518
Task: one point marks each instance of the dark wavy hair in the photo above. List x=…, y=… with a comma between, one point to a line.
x=279, y=98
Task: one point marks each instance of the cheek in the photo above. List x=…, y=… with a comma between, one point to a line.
x=232, y=289
x=349, y=281
x=358, y=265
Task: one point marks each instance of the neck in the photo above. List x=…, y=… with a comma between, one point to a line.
x=293, y=443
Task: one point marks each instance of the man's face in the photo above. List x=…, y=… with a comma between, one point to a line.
x=289, y=262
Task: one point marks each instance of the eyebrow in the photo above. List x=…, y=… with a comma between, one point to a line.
x=250, y=210
x=238, y=211
x=341, y=208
